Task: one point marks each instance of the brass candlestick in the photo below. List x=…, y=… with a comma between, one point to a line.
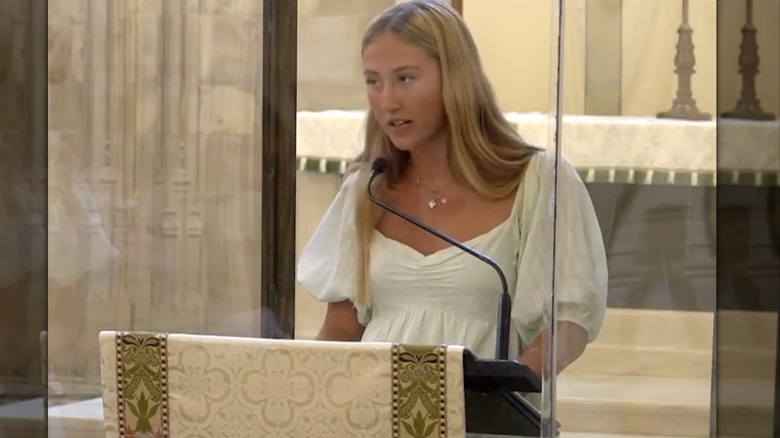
x=684, y=105
x=748, y=106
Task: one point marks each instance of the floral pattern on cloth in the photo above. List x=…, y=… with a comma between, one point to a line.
x=157, y=385
x=142, y=385
x=419, y=391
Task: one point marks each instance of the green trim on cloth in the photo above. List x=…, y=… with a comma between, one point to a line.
x=419, y=379
x=322, y=164
x=142, y=384
x=748, y=178
x=618, y=175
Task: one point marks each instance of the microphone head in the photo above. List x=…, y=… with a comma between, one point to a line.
x=379, y=165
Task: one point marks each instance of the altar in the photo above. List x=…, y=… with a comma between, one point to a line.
x=614, y=149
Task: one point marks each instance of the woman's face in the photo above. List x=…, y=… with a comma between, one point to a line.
x=403, y=84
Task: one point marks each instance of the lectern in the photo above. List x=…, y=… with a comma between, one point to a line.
x=174, y=385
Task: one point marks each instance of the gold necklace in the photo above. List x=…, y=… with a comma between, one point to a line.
x=437, y=197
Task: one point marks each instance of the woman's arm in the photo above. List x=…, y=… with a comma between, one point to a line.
x=341, y=323
x=572, y=340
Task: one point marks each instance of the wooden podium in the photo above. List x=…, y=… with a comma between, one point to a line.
x=169, y=385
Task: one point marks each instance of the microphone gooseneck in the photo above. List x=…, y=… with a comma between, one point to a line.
x=504, y=306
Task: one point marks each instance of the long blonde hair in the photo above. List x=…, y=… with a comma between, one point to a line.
x=486, y=153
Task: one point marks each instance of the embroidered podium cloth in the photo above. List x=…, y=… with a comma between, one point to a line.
x=172, y=385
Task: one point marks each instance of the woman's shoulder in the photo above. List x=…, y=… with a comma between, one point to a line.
x=546, y=162
x=348, y=186
x=354, y=176
x=548, y=158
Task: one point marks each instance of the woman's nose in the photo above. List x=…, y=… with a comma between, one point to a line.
x=389, y=99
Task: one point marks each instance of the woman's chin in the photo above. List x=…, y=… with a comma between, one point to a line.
x=404, y=146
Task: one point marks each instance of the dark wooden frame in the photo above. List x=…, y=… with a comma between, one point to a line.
x=277, y=295
x=777, y=379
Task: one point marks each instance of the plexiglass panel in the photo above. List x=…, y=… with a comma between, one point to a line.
x=747, y=385
x=333, y=100
x=640, y=132
x=155, y=218
x=154, y=180
x=331, y=105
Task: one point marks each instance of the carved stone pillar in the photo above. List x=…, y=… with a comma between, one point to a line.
x=158, y=104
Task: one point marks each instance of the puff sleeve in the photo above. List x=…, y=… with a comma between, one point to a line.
x=560, y=240
x=327, y=266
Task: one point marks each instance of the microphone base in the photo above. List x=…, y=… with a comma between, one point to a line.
x=491, y=375
x=493, y=393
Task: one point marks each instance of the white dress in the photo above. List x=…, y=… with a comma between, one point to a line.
x=450, y=297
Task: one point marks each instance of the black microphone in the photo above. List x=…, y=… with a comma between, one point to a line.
x=505, y=301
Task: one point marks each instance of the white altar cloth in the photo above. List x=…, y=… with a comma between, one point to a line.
x=179, y=385
x=590, y=143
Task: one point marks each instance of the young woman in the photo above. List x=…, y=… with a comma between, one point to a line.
x=457, y=165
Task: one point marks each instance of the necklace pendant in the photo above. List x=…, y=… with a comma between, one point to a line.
x=432, y=203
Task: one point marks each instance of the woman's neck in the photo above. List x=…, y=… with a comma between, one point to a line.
x=431, y=165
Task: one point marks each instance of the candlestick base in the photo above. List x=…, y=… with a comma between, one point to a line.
x=684, y=111
x=749, y=111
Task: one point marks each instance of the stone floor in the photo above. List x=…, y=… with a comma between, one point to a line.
x=84, y=419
